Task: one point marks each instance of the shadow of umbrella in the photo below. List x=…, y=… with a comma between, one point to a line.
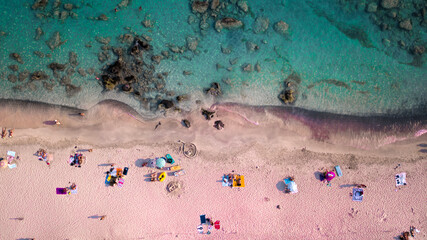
x=141, y=161
x=319, y=176
x=281, y=186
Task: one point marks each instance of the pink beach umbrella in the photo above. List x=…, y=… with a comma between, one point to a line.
x=329, y=176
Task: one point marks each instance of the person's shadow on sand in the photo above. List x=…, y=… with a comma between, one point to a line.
x=51, y=123
x=95, y=217
x=423, y=145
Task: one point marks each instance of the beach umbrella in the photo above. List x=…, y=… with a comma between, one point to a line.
x=3, y=163
x=160, y=162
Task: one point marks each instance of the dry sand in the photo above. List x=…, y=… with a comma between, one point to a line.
x=263, y=153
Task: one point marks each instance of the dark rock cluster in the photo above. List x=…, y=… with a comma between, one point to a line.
x=56, y=10
x=402, y=24
x=289, y=93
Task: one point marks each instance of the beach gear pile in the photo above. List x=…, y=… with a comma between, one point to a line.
x=42, y=155
x=9, y=161
x=115, y=176
x=208, y=223
x=77, y=160
x=68, y=190
x=160, y=163
x=233, y=180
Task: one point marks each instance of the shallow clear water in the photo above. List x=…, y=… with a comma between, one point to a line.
x=369, y=77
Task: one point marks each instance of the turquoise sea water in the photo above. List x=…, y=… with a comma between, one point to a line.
x=346, y=63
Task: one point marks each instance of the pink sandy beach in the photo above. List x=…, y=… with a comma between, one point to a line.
x=264, y=154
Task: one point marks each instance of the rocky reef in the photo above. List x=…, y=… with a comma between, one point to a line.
x=289, y=94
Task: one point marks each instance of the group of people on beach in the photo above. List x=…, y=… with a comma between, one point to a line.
x=4, y=133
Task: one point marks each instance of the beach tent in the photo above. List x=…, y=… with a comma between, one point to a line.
x=357, y=194
x=160, y=162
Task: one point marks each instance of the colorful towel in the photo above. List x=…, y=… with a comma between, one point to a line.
x=12, y=165
x=61, y=191
x=357, y=194
x=400, y=179
x=120, y=182
x=338, y=169
x=203, y=219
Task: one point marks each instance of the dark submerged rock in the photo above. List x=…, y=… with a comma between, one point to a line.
x=219, y=125
x=57, y=66
x=14, y=67
x=214, y=90
x=55, y=41
x=186, y=123
x=166, y=104
x=200, y=6
x=208, y=114
x=39, y=75
x=16, y=57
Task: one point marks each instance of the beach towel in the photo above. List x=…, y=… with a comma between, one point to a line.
x=12, y=165
x=11, y=153
x=10, y=159
x=107, y=181
x=203, y=219
x=224, y=183
x=357, y=194
x=61, y=191
x=400, y=179
x=73, y=191
x=216, y=224
x=120, y=182
x=338, y=169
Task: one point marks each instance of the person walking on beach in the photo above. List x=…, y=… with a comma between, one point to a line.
x=11, y=132
x=3, y=133
x=56, y=122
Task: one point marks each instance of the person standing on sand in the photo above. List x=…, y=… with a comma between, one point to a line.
x=3, y=133
x=102, y=217
x=11, y=132
x=56, y=122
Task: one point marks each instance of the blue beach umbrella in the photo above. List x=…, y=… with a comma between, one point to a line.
x=160, y=162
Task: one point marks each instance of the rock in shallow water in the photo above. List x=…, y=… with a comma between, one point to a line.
x=406, y=24
x=200, y=6
x=260, y=25
x=39, y=33
x=16, y=57
x=14, y=67
x=55, y=41
x=228, y=23
x=387, y=4
x=281, y=27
